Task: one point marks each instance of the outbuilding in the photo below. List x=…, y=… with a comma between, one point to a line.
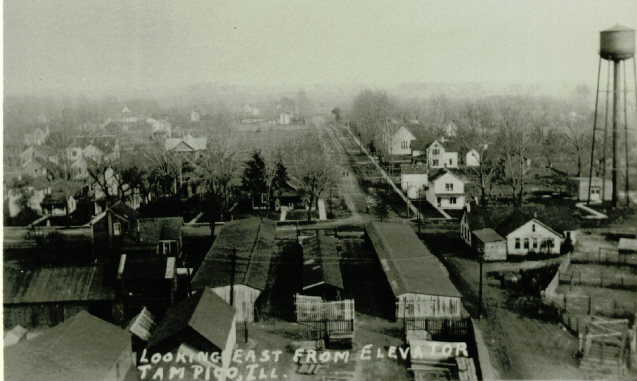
x=238, y=263
x=321, y=269
x=491, y=245
x=418, y=280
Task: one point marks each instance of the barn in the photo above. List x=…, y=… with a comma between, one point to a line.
x=83, y=347
x=321, y=269
x=419, y=281
x=237, y=265
x=48, y=296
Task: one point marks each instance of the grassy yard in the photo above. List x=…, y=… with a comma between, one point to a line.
x=521, y=344
x=300, y=215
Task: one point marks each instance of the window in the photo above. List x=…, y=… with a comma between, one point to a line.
x=404, y=145
x=435, y=152
x=450, y=161
x=533, y=227
x=435, y=163
x=452, y=200
x=535, y=243
x=117, y=229
x=517, y=243
x=166, y=248
x=526, y=243
x=595, y=190
x=449, y=187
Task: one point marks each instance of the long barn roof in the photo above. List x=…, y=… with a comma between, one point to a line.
x=253, y=240
x=408, y=264
x=320, y=262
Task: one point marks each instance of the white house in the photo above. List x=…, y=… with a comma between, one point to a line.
x=401, y=141
x=442, y=155
x=446, y=190
x=579, y=186
x=450, y=130
x=524, y=236
x=472, y=158
x=413, y=180
x=37, y=137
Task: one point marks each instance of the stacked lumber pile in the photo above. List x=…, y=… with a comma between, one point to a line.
x=466, y=369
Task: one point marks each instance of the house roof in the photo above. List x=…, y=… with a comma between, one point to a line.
x=83, y=347
x=153, y=230
x=320, y=262
x=205, y=312
x=253, y=240
x=408, y=264
x=451, y=146
x=195, y=144
x=488, y=235
x=424, y=137
x=558, y=218
x=413, y=169
x=441, y=172
x=56, y=284
x=147, y=268
x=482, y=217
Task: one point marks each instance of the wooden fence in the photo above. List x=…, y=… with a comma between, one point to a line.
x=606, y=279
x=440, y=329
x=319, y=329
x=605, y=256
x=309, y=308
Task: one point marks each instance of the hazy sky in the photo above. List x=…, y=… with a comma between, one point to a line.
x=80, y=45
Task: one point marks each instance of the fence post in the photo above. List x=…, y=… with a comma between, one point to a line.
x=565, y=302
x=589, y=305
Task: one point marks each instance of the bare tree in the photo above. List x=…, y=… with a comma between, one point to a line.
x=163, y=168
x=577, y=134
x=215, y=170
x=477, y=131
x=313, y=167
x=516, y=143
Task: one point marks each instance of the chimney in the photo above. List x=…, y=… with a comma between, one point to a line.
x=476, y=200
x=469, y=207
x=534, y=214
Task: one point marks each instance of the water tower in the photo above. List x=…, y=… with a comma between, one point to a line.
x=617, y=45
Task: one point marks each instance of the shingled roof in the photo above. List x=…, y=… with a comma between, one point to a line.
x=153, y=230
x=320, y=262
x=205, y=312
x=253, y=240
x=408, y=264
x=83, y=347
x=482, y=217
x=56, y=284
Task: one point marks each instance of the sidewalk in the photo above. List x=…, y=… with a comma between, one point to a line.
x=388, y=179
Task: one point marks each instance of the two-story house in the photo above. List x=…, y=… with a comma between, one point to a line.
x=188, y=145
x=446, y=190
x=443, y=154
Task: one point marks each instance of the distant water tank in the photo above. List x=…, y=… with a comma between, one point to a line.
x=617, y=43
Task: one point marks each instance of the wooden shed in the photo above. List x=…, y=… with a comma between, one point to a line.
x=239, y=280
x=491, y=245
x=419, y=281
x=82, y=348
x=203, y=322
x=321, y=269
x=48, y=296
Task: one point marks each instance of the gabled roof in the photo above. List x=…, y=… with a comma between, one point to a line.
x=55, y=198
x=517, y=219
x=195, y=144
x=410, y=169
x=481, y=217
x=408, y=264
x=441, y=172
x=424, y=137
x=488, y=235
x=83, y=347
x=253, y=240
x=205, y=312
x=56, y=284
x=320, y=262
x=451, y=146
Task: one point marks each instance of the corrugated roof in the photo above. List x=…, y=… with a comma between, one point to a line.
x=320, y=262
x=56, y=284
x=408, y=264
x=205, y=312
x=83, y=347
x=253, y=240
x=488, y=235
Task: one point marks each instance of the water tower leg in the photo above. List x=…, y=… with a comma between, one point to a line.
x=616, y=100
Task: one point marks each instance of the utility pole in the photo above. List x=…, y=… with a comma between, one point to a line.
x=232, y=271
x=407, y=198
x=330, y=201
x=419, y=208
x=480, y=291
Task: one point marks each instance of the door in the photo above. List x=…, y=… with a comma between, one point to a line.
x=439, y=202
x=595, y=194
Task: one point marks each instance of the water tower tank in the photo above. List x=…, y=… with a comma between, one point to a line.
x=617, y=43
